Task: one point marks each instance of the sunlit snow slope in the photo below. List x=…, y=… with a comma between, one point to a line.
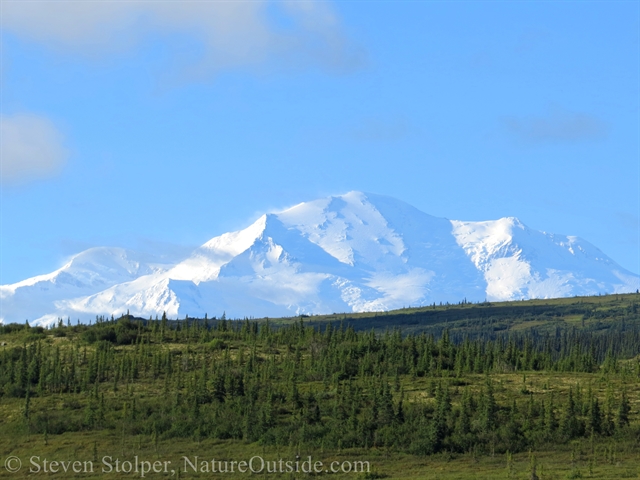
x=353, y=252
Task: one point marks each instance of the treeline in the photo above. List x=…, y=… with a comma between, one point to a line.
x=300, y=385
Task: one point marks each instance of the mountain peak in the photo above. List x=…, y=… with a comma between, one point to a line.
x=352, y=252
x=513, y=221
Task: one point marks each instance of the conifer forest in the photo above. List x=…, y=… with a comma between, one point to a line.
x=533, y=389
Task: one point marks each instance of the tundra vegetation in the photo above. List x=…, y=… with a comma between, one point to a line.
x=529, y=389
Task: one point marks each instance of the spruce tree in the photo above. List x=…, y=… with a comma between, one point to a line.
x=594, y=418
x=488, y=408
x=569, y=424
x=624, y=409
x=550, y=421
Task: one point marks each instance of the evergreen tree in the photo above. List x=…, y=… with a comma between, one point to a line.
x=569, y=423
x=595, y=416
x=488, y=408
x=624, y=409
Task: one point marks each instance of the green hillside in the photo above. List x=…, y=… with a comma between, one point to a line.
x=531, y=389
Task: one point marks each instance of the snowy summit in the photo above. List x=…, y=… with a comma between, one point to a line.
x=348, y=253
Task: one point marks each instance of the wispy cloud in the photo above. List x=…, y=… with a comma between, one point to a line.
x=288, y=34
x=232, y=33
x=557, y=126
x=628, y=220
x=382, y=130
x=31, y=147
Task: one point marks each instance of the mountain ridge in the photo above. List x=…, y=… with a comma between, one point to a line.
x=351, y=252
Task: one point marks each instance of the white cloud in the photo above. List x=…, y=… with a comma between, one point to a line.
x=289, y=34
x=324, y=40
x=557, y=126
x=233, y=33
x=30, y=147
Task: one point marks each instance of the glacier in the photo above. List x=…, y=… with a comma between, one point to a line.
x=347, y=253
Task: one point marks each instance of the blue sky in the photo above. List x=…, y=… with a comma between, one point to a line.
x=158, y=125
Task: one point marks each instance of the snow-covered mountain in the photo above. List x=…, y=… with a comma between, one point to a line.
x=353, y=252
